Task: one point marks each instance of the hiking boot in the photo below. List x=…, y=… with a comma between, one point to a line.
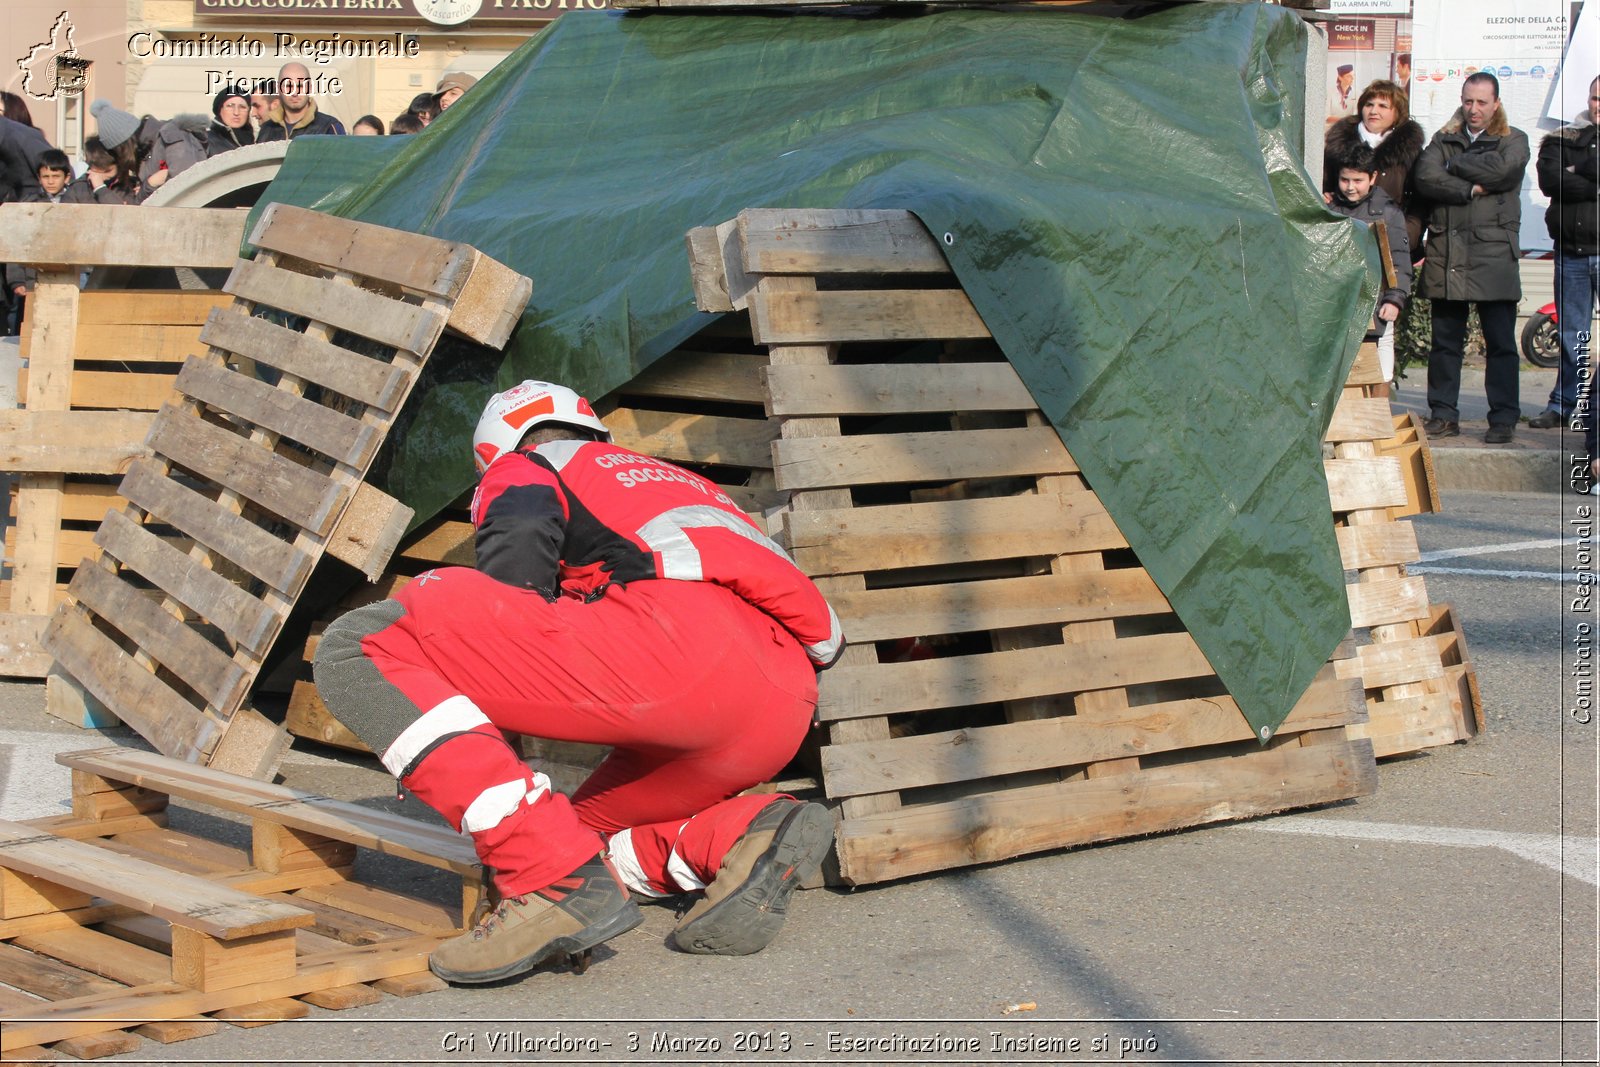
x=1499, y=435
x=572, y=915
x=1441, y=428
x=1547, y=420
x=744, y=907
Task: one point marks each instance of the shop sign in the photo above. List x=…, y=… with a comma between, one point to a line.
x=438, y=12
x=1352, y=35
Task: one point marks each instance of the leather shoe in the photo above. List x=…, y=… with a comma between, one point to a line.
x=1441, y=428
x=1499, y=435
x=1547, y=420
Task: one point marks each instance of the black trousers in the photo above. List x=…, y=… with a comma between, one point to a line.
x=1500, y=381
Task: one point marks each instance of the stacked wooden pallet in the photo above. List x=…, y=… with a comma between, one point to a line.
x=116, y=928
x=254, y=461
x=98, y=363
x=1016, y=681
x=1412, y=660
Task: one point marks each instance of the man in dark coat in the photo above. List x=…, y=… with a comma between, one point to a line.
x=1569, y=174
x=300, y=115
x=1471, y=176
x=20, y=150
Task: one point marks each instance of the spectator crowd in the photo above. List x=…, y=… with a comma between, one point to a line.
x=129, y=157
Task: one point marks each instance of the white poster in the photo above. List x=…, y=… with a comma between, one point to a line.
x=1578, y=69
x=1520, y=44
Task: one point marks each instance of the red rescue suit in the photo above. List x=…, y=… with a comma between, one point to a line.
x=618, y=600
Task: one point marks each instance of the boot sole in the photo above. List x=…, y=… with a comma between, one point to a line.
x=750, y=917
x=619, y=922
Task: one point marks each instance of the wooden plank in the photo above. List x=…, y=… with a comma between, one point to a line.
x=1359, y=418
x=253, y=746
x=875, y=459
x=1358, y=484
x=876, y=389
x=208, y=963
x=998, y=604
x=183, y=900
x=151, y=345
x=369, y=531
x=91, y=950
x=333, y=433
x=1387, y=600
x=49, y=978
x=245, y=620
x=373, y=902
x=1013, y=822
x=344, y=307
x=179, y=648
x=361, y=378
x=160, y=715
x=79, y=1016
x=1087, y=737
x=21, y=655
x=107, y=235
x=687, y=438
x=23, y=894
x=411, y=260
x=377, y=830
x=848, y=692
x=448, y=541
x=1380, y=545
x=944, y=532
x=279, y=563
x=687, y=375
x=71, y=442
x=83, y=500
x=137, y=307
x=707, y=278
x=1393, y=663
x=837, y=241
x=307, y=498
x=1366, y=370
x=778, y=318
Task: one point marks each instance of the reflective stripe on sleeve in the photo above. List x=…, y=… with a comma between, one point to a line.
x=667, y=536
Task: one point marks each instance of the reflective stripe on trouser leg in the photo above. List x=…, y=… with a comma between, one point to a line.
x=626, y=863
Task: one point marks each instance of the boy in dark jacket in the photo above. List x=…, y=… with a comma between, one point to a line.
x=1358, y=196
x=54, y=172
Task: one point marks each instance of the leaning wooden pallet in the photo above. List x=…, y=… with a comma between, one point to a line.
x=1016, y=681
x=115, y=928
x=253, y=463
x=1421, y=690
x=71, y=425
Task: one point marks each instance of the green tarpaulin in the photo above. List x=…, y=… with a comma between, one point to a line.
x=1125, y=203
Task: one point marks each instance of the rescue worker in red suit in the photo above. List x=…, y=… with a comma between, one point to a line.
x=617, y=600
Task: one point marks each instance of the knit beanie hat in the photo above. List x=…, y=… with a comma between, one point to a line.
x=114, y=126
x=228, y=93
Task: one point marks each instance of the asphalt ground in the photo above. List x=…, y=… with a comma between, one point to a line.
x=1450, y=918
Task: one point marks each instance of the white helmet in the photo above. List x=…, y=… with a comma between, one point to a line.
x=511, y=414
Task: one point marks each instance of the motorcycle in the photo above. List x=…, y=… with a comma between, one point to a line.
x=1541, y=340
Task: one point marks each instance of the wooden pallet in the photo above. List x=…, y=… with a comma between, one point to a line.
x=115, y=928
x=252, y=465
x=1016, y=682
x=74, y=425
x=1411, y=657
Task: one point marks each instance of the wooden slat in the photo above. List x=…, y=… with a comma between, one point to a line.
x=48, y=978
x=999, y=825
x=21, y=655
x=882, y=390
x=1366, y=370
x=280, y=485
x=182, y=900
x=1357, y=484
x=1387, y=600
x=1087, y=737
x=686, y=375
x=277, y=562
x=778, y=318
x=178, y=647
x=1359, y=418
x=245, y=620
x=413, y=261
x=109, y=235
x=330, y=432
x=1393, y=663
x=71, y=442
x=954, y=531
x=961, y=681
x=366, y=827
x=874, y=459
x=83, y=500
x=122, y=390
x=104, y=955
x=160, y=715
x=837, y=241
x=1006, y=603
x=359, y=377
x=1379, y=545
x=682, y=438
x=343, y=307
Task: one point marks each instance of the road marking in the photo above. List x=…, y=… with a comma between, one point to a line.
x=1509, y=546
x=1489, y=572
x=1574, y=856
